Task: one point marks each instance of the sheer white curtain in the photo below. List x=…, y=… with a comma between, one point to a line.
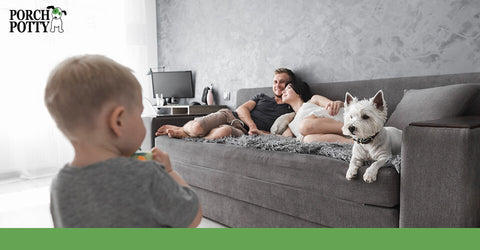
x=125, y=30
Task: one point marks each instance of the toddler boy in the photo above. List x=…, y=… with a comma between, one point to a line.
x=97, y=104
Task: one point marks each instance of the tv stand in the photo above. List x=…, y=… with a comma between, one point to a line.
x=176, y=109
x=171, y=101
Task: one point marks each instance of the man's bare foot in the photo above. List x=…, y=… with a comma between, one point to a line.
x=163, y=129
x=177, y=133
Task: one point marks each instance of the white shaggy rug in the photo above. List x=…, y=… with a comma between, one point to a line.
x=287, y=144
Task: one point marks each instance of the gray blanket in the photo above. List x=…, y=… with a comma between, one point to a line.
x=287, y=144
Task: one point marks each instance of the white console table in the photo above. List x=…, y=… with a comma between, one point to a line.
x=189, y=110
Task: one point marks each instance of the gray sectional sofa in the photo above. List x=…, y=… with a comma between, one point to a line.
x=439, y=184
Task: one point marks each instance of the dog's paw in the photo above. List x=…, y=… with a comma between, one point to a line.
x=370, y=175
x=351, y=173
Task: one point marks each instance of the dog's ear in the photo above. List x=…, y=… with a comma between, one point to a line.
x=50, y=7
x=379, y=101
x=64, y=12
x=349, y=99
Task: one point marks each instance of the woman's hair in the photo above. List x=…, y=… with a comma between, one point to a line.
x=302, y=89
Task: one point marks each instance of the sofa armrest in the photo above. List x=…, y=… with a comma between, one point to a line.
x=440, y=179
x=147, y=141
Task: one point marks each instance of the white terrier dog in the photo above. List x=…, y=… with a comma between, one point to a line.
x=364, y=123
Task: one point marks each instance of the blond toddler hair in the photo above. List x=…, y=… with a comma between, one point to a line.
x=79, y=87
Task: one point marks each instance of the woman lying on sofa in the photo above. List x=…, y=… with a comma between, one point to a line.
x=316, y=120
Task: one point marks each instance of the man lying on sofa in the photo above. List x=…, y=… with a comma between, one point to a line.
x=254, y=117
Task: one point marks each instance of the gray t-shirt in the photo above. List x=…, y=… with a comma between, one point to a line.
x=121, y=192
x=266, y=111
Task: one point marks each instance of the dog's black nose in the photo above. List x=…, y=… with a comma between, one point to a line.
x=351, y=129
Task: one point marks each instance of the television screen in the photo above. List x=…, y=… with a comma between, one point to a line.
x=177, y=84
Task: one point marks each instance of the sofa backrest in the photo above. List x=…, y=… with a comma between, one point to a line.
x=393, y=88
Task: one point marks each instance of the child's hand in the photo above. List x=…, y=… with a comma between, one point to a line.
x=163, y=158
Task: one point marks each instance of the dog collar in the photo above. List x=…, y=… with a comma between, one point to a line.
x=365, y=140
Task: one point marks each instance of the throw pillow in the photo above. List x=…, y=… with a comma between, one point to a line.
x=281, y=123
x=431, y=104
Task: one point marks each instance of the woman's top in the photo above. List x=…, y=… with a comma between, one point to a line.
x=309, y=109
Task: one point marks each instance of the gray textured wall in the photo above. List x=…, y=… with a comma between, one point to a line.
x=238, y=43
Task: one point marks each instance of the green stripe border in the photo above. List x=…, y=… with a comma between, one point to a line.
x=239, y=238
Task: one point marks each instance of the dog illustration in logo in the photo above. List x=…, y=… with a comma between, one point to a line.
x=56, y=19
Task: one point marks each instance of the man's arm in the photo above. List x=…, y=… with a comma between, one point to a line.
x=332, y=106
x=321, y=101
x=244, y=114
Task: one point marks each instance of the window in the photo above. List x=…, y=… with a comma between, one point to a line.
x=30, y=143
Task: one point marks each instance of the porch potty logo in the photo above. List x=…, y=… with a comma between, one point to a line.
x=37, y=21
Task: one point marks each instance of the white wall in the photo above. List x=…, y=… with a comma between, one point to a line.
x=238, y=44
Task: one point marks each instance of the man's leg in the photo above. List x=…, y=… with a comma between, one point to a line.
x=201, y=126
x=190, y=129
x=163, y=129
x=224, y=131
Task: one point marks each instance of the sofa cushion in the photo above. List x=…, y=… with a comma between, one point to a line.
x=281, y=123
x=312, y=173
x=431, y=104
